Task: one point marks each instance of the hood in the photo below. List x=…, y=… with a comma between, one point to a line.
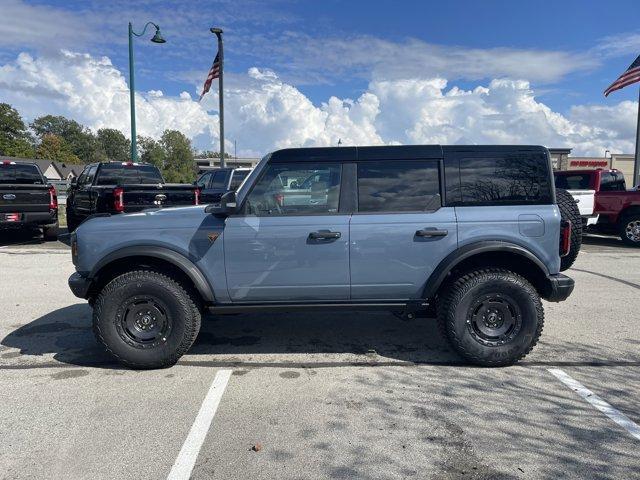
x=164, y=218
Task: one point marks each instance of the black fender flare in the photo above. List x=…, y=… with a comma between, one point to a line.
x=457, y=256
x=163, y=253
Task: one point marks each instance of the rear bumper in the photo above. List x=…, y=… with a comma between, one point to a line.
x=79, y=285
x=29, y=219
x=559, y=287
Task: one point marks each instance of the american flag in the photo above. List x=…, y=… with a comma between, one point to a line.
x=631, y=75
x=213, y=74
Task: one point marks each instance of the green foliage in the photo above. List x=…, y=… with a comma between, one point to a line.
x=211, y=154
x=179, y=165
x=15, y=139
x=54, y=148
x=65, y=140
x=150, y=151
x=82, y=142
x=114, y=144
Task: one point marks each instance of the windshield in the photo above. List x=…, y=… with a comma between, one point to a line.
x=118, y=174
x=20, y=173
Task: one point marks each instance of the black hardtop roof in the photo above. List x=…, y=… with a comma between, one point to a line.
x=391, y=152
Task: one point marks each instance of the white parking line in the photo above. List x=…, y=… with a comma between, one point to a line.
x=615, y=415
x=188, y=455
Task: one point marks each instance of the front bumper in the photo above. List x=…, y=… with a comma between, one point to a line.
x=79, y=285
x=559, y=287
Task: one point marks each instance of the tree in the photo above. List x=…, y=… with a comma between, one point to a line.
x=152, y=152
x=82, y=142
x=210, y=154
x=179, y=164
x=15, y=139
x=114, y=144
x=55, y=148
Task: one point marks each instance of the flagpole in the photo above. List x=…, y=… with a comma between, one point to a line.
x=218, y=32
x=636, y=163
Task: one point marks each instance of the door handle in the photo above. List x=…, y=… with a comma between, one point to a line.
x=324, y=235
x=431, y=232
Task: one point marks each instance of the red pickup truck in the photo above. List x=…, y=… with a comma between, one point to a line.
x=617, y=209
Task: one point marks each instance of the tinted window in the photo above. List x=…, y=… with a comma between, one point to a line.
x=89, y=175
x=219, y=180
x=238, y=177
x=579, y=181
x=398, y=186
x=296, y=189
x=612, y=182
x=203, y=181
x=20, y=173
x=118, y=174
x=512, y=179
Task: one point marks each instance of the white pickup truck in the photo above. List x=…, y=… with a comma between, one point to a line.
x=584, y=197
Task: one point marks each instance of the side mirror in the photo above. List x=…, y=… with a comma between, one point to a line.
x=74, y=181
x=226, y=207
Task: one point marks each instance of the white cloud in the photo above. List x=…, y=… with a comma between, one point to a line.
x=263, y=112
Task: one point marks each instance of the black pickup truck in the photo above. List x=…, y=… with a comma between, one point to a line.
x=123, y=187
x=216, y=182
x=26, y=199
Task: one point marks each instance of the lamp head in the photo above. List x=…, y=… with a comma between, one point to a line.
x=158, y=38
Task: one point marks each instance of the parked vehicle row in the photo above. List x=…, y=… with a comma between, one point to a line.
x=475, y=233
x=123, y=187
x=605, y=204
x=27, y=200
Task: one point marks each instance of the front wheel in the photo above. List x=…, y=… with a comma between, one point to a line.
x=630, y=230
x=50, y=232
x=146, y=319
x=491, y=317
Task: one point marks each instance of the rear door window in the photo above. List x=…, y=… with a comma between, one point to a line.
x=612, y=182
x=219, y=180
x=506, y=179
x=238, y=177
x=398, y=186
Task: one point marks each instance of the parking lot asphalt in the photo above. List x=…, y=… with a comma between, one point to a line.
x=357, y=395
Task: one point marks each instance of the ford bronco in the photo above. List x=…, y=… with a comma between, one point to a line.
x=472, y=232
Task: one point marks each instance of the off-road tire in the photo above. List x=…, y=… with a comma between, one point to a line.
x=177, y=302
x=569, y=211
x=50, y=232
x=455, y=308
x=625, y=222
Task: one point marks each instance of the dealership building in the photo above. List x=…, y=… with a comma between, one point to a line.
x=561, y=159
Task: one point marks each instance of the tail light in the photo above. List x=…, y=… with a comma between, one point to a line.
x=118, y=199
x=196, y=196
x=53, y=198
x=565, y=238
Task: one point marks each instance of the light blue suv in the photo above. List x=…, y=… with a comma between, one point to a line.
x=472, y=233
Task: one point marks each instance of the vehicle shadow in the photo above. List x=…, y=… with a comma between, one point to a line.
x=605, y=241
x=28, y=237
x=259, y=340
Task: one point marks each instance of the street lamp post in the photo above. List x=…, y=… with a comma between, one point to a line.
x=218, y=33
x=157, y=38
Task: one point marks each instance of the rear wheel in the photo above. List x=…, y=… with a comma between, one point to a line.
x=491, y=317
x=569, y=211
x=630, y=230
x=50, y=232
x=146, y=319
x=72, y=221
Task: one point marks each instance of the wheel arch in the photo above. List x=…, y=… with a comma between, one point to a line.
x=489, y=254
x=124, y=259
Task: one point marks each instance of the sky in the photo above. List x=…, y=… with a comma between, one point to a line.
x=312, y=73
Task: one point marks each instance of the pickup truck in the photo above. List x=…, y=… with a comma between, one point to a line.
x=123, y=187
x=26, y=199
x=473, y=233
x=605, y=204
x=216, y=182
